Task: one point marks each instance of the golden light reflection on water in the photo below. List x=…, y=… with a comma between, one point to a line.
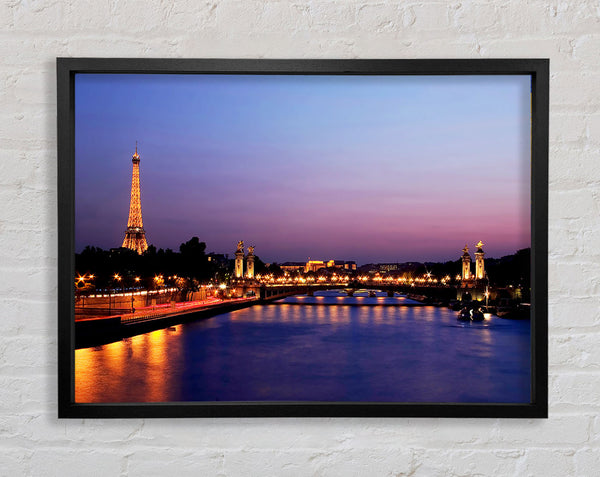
x=276, y=351
x=135, y=369
x=486, y=336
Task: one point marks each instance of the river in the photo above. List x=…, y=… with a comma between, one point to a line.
x=298, y=350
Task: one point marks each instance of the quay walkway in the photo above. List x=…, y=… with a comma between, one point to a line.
x=94, y=331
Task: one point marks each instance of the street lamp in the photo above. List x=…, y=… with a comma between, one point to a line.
x=81, y=284
x=117, y=277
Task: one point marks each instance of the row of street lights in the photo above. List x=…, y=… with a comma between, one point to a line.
x=83, y=281
x=425, y=279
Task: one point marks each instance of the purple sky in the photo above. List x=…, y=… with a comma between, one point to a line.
x=372, y=169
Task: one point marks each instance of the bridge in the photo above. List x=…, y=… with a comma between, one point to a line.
x=273, y=291
x=467, y=285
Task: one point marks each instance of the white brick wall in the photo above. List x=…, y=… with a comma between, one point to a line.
x=33, y=33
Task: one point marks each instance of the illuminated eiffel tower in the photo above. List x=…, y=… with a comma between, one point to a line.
x=135, y=235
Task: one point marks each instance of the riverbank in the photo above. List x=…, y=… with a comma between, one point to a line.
x=107, y=329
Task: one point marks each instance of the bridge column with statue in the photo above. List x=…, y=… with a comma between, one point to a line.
x=479, y=266
x=239, y=260
x=466, y=264
x=250, y=263
x=473, y=286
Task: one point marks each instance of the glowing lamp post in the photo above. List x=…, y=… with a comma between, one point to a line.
x=81, y=284
x=119, y=280
x=222, y=288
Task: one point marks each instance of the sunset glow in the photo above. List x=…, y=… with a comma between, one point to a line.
x=371, y=169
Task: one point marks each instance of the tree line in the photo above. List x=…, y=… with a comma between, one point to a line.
x=153, y=268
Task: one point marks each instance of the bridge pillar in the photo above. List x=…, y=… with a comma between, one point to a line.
x=350, y=292
x=310, y=292
x=390, y=293
x=250, y=263
x=239, y=264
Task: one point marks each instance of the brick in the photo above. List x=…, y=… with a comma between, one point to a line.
x=21, y=395
x=36, y=88
x=129, y=47
x=473, y=16
x=593, y=131
x=595, y=430
x=573, y=167
x=15, y=309
x=104, y=431
x=333, y=16
x=90, y=16
x=558, y=49
x=575, y=350
x=379, y=17
x=586, y=96
x=132, y=17
x=572, y=204
x=15, y=462
x=202, y=14
x=467, y=462
x=577, y=279
x=566, y=238
x=20, y=355
x=558, y=431
x=585, y=50
x=62, y=461
x=162, y=461
x=568, y=128
x=580, y=389
x=14, y=131
x=374, y=461
x=574, y=313
x=540, y=461
x=432, y=16
x=587, y=461
x=590, y=242
x=44, y=15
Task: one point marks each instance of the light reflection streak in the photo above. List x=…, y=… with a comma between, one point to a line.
x=134, y=369
x=365, y=349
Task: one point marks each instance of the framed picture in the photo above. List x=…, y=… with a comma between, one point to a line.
x=302, y=237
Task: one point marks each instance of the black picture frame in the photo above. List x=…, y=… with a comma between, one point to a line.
x=539, y=71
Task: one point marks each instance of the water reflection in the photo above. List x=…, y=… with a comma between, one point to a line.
x=316, y=353
x=124, y=371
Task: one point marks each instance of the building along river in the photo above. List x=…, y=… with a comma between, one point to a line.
x=296, y=350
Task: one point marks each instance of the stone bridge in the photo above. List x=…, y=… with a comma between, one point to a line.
x=275, y=291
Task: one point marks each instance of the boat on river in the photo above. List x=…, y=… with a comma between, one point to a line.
x=470, y=314
x=464, y=314
x=477, y=315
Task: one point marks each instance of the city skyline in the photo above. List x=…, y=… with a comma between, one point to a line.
x=371, y=169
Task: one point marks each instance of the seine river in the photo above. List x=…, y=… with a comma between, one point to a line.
x=300, y=351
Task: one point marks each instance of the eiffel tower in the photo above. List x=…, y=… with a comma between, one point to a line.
x=135, y=235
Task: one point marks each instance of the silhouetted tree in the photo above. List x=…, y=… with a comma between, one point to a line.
x=275, y=269
x=194, y=263
x=260, y=268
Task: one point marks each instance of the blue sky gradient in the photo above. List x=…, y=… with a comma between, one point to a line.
x=372, y=169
